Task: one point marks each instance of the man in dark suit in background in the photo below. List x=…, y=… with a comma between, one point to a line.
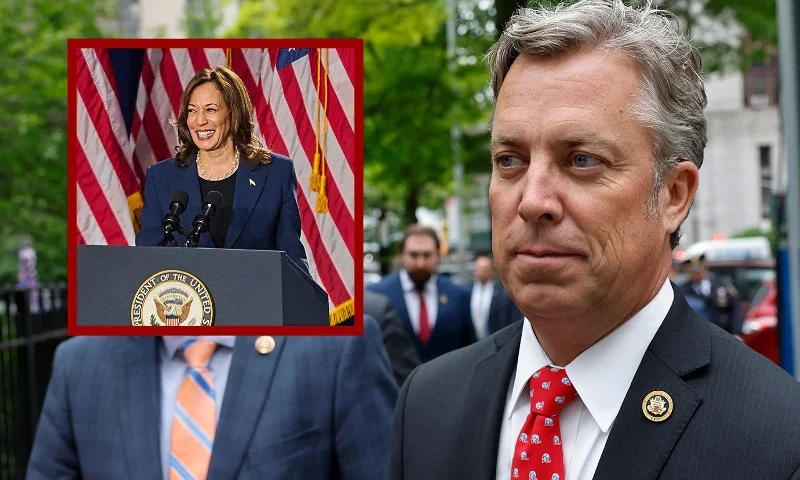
x=435, y=310
x=597, y=137
x=402, y=352
x=282, y=408
x=711, y=297
x=492, y=309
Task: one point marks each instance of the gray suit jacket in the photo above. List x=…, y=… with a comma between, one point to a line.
x=736, y=414
x=402, y=352
x=313, y=408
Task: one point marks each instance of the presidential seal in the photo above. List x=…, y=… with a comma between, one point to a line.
x=172, y=298
x=657, y=406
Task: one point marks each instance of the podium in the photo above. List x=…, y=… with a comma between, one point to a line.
x=171, y=286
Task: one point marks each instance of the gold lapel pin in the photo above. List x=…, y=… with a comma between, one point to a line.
x=657, y=406
x=252, y=183
x=265, y=344
x=443, y=299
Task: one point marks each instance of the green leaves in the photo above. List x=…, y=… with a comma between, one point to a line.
x=33, y=123
x=203, y=18
x=411, y=98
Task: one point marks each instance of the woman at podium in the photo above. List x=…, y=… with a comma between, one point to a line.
x=222, y=189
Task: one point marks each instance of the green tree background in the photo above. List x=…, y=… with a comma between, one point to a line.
x=33, y=127
x=411, y=98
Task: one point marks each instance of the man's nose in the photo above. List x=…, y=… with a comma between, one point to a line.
x=540, y=199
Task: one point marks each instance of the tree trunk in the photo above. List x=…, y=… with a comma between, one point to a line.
x=385, y=253
x=411, y=203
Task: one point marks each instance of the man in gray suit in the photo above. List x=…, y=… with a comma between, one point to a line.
x=597, y=138
x=288, y=407
x=402, y=353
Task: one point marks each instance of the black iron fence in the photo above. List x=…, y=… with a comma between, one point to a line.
x=32, y=323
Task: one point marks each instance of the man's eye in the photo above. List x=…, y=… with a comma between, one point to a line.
x=507, y=161
x=582, y=160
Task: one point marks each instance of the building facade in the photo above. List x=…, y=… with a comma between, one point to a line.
x=743, y=165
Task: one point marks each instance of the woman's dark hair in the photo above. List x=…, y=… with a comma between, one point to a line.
x=235, y=96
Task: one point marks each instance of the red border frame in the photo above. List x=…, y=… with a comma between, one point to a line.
x=74, y=45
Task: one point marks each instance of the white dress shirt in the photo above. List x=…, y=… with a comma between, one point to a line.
x=412, y=300
x=602, y=375
x=479, y=304
x=705, y=287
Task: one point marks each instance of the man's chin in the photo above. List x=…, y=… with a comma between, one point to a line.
x=547, y=300
x=419, y=280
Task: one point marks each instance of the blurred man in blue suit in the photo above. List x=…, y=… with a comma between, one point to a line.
x=712, y=298
x=434, y=310
x=288, y=407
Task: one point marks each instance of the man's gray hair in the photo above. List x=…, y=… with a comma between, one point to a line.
x=672, y=97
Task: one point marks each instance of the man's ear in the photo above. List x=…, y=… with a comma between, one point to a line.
x=678, y=191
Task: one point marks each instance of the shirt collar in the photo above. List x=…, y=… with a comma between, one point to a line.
x=603, y=373
x=173, y=344
x=408, y=284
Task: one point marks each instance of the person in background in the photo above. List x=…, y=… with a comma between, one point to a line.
x=715, y=300
x=492, y=309
x=401, y=350
x=217, y=408
x=27, y=278
x=434, y=310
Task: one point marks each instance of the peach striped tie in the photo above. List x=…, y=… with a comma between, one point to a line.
x=194, y=421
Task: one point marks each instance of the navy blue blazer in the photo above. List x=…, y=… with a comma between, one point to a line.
x=265, y=212
x=316, y=407
x=453, y=328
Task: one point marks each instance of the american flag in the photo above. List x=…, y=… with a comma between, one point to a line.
x=304, y=104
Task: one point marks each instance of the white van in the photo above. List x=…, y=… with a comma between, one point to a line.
x=733, y=249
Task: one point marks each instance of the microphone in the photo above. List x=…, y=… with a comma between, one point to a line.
x=172, y=221
x=202, y=222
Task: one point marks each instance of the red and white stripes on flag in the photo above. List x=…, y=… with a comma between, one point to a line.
x=304, y=102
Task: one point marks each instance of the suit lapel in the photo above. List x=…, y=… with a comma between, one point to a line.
x=249, y=380
x=637, y=447
x=139, y=400
x=443, y=301
x=186, y=179
x=485, y=403
x=250, y=183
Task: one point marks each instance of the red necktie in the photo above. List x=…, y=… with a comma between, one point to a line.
x=424, y=326
x=538, y=454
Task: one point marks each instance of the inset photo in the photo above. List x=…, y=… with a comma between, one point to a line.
x=215, y=183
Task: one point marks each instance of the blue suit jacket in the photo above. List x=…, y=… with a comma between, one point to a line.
x=265, y=212
x=316, y=407
x=453, y=328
